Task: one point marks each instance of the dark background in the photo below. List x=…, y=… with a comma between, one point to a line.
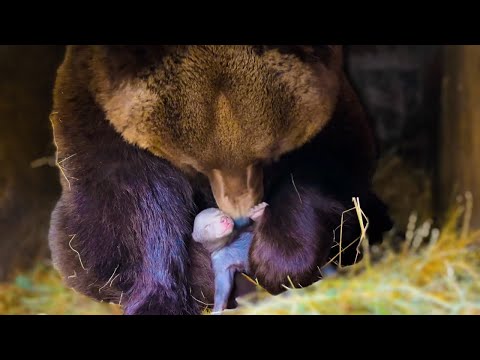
x=399, y=84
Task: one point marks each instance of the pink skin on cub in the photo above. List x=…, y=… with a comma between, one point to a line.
x=212, y=227
x=229, y=251
x=227, y=224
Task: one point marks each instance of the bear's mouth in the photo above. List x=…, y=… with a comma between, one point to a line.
x=241, y=222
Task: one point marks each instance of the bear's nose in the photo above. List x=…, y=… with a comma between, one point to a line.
x=242, y=221
x=236, y=191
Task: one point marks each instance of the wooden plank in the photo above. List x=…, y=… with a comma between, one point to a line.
x=29, y=187
x=459, y=166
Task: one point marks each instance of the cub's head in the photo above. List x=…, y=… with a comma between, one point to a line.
x=221, y=110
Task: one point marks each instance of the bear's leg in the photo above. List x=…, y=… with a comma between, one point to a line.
x=126, y=242
x=293, y=239
x=121, y=229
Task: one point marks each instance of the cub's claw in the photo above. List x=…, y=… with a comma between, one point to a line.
x=256, y=212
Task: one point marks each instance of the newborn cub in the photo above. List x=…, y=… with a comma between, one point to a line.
x=229, y=249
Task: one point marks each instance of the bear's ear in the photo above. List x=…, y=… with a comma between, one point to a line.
x=131, y=59
x=138, y=51
x=327, y=54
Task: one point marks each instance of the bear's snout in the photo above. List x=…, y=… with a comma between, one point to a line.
x=236, y=191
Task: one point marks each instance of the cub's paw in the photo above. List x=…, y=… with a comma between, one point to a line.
x=257, y=211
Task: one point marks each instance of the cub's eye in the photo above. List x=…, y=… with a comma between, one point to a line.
x=206, y=227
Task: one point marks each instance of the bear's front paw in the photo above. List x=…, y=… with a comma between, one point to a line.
x=281, y=266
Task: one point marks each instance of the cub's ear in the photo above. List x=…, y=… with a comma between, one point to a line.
x=199, y=235
x=196, y=236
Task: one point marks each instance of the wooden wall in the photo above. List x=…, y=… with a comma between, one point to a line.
x=27, y=193
x=459, y=145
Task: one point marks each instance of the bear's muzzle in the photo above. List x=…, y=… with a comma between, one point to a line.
x=236, y=191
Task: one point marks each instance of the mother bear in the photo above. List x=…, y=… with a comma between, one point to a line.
x=148, y=136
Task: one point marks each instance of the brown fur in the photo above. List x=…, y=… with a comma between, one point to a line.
x=230, y=120
x=159, y=133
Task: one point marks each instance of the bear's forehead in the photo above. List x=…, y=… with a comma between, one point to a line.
x=223, y=104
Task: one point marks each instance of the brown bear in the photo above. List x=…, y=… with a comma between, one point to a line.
x=148, y=136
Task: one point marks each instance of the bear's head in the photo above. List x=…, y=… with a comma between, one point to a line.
x=221, y=110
